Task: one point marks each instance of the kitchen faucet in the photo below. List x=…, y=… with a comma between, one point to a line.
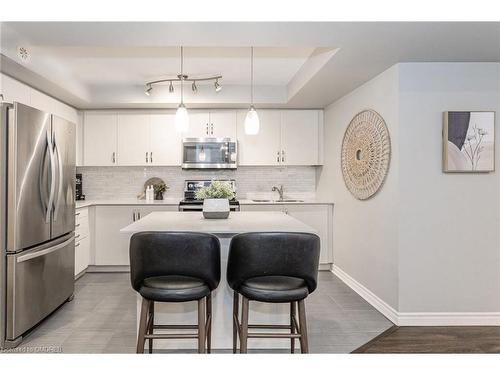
x=279, y=190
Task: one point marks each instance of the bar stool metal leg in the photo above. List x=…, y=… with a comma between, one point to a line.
x=151, y=323
x=244, y=325
x=209, y=323
x=201, y=325
x=304, y=346
x=236, y=303
x=292, y=326
x=142, y=326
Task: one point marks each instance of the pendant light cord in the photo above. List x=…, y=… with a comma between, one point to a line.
x=182, y=75
x=251, y=76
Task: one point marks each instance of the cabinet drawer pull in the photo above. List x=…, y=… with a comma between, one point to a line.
x=77, y=244
x=77, y=225
x=77, y=236
x=77, y=213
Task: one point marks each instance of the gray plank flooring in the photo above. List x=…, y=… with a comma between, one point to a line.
x=102, y=318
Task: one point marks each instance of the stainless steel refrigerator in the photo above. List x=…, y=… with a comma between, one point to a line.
x=37, y=219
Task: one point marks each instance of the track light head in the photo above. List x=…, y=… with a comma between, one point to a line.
x=194, y=87
x=217, y=86
x=171, y=87
x=148, y=90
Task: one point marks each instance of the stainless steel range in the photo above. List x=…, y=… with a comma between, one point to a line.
x=190, y=203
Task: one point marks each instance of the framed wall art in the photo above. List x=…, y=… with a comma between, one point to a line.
x=469, y=141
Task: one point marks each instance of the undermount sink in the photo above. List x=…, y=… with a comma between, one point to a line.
x=276, y=201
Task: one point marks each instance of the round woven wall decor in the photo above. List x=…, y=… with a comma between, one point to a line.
x=366, y=152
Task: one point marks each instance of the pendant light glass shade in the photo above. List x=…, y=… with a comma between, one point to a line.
x=252, y=122
x=181, y=118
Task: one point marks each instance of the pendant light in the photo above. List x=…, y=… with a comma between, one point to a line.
x=181, y=116
x=252, y=122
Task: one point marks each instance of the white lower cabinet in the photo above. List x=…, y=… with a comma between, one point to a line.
x=317, y=216
x=112, y=246
x=82, y=240
x=82, y=255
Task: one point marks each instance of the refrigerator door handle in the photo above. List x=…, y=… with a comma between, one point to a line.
x=52, y=179
x=37, y=254
x=57, y=199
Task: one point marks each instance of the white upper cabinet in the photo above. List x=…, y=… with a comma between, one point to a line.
x=300, y=137
x=286, y=137
x=133, y=139
x=165, y=142
x=100, y=139
x=263, y=148
x=198, y=125
x=222, y=124
x=14, y=91
x=217, y=124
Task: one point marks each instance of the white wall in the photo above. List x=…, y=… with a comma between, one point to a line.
x=428, y=242
x=449, y=255
x=365, y=232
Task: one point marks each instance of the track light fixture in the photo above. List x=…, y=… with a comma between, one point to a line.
x=182, y=77
x=217, y=86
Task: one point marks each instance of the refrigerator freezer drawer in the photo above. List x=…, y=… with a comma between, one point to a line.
x=38, y=281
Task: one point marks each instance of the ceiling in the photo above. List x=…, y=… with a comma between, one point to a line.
x=298, y=65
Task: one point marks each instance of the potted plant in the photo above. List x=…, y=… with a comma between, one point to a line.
x=216, y=198
x=159, y=190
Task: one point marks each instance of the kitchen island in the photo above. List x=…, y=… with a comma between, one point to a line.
x=185, y=313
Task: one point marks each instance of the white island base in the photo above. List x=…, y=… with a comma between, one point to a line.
x=222, y=297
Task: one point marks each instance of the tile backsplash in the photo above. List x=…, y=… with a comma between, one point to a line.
x=127, y=182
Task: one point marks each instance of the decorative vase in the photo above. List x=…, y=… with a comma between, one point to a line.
x=159, y=195
x=215, y=208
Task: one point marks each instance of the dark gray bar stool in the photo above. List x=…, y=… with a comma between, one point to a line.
x=175, y=267
x=274, y=267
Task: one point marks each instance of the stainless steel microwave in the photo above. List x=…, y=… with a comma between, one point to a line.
x=209, y=153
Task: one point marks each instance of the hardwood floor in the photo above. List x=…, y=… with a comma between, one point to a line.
x=473, y=339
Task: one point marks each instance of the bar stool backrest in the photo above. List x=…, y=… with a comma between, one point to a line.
x=174, y=253
x=274, y=254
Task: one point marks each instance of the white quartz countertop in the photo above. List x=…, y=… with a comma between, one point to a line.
x=127, y=202
x=238, y=222
x=175, y=202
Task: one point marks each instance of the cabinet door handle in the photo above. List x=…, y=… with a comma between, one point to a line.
x=113, y=158
x=133, y=216
x=77, y=225
x=77, y=213
x=212, y=129
x=282, y=156
x=138, y=215
x=278, y=157
x=207, y=129
x=77, y=236
x=77, y=244
x=151, y=157
x=146, y=157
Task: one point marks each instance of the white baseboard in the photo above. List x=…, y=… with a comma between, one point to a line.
x=449, y=319
x=420, y=318
x=383, y=307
